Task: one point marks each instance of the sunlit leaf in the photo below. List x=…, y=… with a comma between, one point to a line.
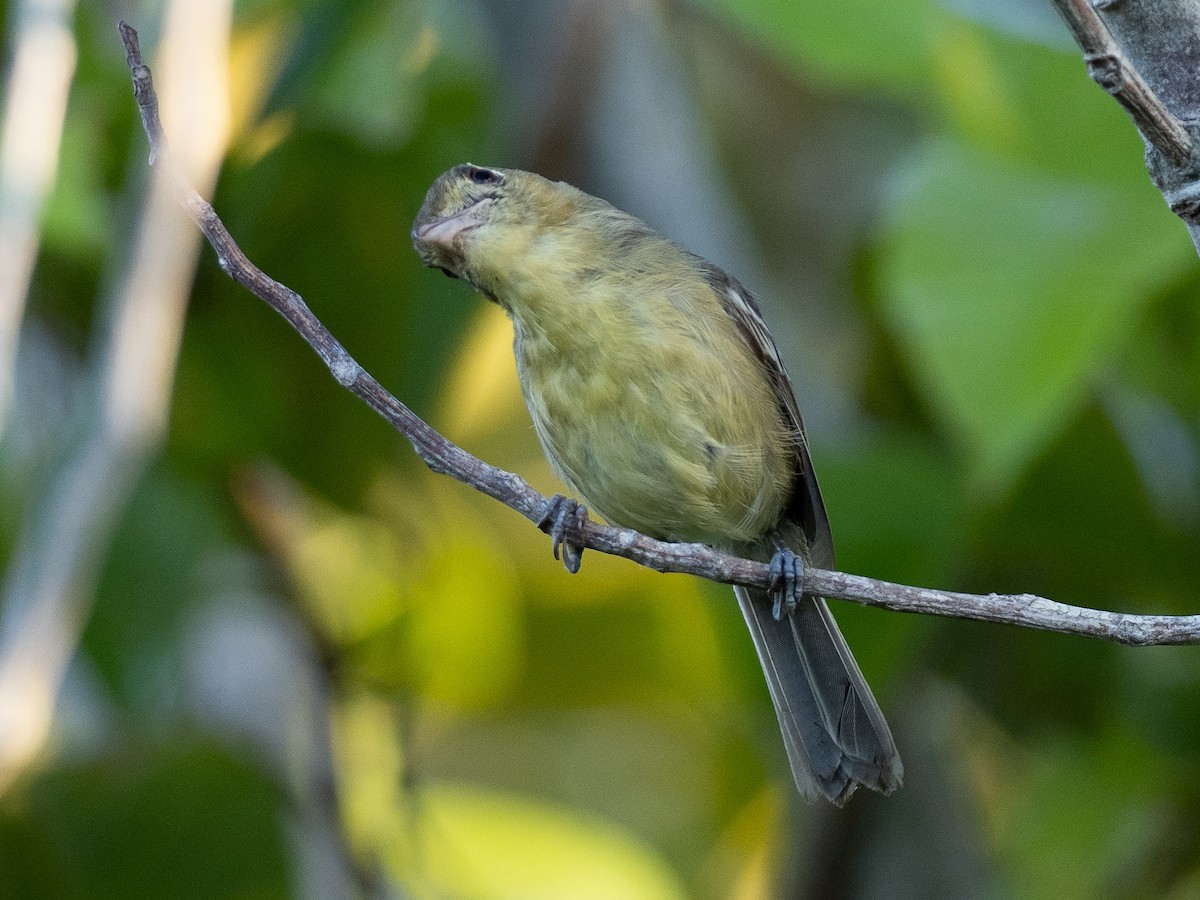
x=465, y=640
x=740, y=863
x=481, y=845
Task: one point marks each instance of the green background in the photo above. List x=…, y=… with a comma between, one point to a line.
x=312, y=668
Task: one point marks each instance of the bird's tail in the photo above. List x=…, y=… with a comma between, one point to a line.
x=833, y=729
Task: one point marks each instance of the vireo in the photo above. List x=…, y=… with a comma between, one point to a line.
x=660, y=398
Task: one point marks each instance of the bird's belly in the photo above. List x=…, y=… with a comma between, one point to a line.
x=649, y=452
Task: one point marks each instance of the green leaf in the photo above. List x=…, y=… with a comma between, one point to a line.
x=186, y=821
x=149, y=588
x=1033, y=105
x=371, y=87
x=1008, y=290
x=482, y=845
x=855, y=42
x=1089, y=820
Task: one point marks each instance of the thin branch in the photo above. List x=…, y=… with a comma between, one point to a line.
x=444, y=457
x=143, y=90
x=1110, y=69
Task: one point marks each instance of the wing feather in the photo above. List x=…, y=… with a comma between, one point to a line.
x=805, y=506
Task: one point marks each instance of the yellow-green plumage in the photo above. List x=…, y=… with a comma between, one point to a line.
x=662, y=455
x=659, y=397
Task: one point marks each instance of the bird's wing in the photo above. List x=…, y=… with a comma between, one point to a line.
x=806, y=507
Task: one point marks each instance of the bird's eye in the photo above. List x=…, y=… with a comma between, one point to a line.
x=483, y=176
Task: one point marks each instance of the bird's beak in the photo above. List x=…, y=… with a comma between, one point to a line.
x=433, y=233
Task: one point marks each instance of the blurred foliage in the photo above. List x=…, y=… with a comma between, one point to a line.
x=316, y=669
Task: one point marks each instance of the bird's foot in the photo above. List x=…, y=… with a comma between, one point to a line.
x=564, y=518
x=787, y=582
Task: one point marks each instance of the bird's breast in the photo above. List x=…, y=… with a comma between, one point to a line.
x=658, y=427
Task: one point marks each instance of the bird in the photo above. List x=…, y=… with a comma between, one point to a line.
x=661, y=401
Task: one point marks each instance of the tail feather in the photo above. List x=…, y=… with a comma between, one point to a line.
x=834, y=731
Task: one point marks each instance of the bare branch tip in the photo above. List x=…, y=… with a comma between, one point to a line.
x=129, y=37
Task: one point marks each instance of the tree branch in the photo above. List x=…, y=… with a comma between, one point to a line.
x=1110, y=69
x=446, y=458
x=1145, y=54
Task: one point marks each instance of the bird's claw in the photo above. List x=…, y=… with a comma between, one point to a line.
x=564, y=518
x=787, y=582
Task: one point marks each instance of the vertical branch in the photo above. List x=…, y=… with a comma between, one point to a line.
x=47, y=591
x=35, y=106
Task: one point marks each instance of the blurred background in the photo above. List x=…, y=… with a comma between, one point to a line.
x=251, y=648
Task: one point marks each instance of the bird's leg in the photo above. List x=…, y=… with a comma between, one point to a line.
x=563, y=519
x=787, y=580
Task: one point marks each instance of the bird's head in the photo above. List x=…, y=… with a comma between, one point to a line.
x=479, y=222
